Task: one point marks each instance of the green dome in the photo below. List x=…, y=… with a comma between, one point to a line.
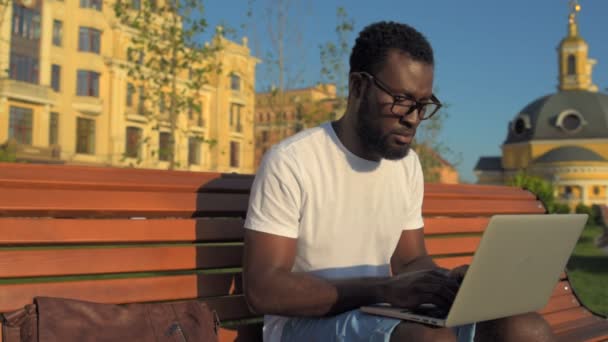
x=569, y=154
x=572, y=114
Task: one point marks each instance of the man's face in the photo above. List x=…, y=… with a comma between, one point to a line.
x=384, y=134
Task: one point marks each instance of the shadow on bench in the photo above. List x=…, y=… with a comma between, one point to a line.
x=80, y=232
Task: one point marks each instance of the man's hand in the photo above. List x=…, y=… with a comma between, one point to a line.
x=411, y=289
x=458, y=273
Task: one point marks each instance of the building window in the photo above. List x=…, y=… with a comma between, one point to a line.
x=235, y=153
x=94, y=4
x=26, y=22
x=24, y=68
x=20, y=125
x=87, y=83
x=235, y=82
x=198, y=108
x=596, y=190
x=85, y=136
x=163, y=146
x=235, y=117
x=568, y=192
x=194, y=151
x=56, y=77
x=142, y=101
x=57, y=32
x=130, y=92
x=264, y=136
x=199, y=120
x=571, y=65
x=161, y=104
x=136, y=4
x=54, y=129
x=133, y=143
x=89, y=40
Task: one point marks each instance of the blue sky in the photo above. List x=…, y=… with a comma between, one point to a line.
x=492, y=57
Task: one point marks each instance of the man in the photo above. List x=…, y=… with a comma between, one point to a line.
x=335, y=220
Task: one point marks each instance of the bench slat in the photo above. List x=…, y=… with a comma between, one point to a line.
x=452, y=262
x=128, y=290
x=591, y=333
x=466, y=207
x=453, y=245
x=562, y=288
x=82, y=260
x=66, y=231
x=563, y=316
x=560, y=303
x=53, y=262
x=61, y=203
x=576, y=324
x=58, y=203
x=451, y=225
x=185, y=185
x=86, y=177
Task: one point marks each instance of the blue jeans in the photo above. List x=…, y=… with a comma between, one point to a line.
x=352, y=326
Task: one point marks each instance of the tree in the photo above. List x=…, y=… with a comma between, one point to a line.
x=167, y=61
x=283, y=70
x=431, y=149
x=542, y=188
x=334, y=57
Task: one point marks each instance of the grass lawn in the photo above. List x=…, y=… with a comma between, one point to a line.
x=588, y=271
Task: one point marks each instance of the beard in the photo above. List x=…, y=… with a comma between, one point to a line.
x=372, y=137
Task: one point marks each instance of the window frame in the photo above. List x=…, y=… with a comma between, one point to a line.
x=88, y=137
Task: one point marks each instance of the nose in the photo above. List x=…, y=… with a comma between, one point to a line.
x=411, y=119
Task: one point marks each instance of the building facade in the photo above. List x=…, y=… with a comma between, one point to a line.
x=283, y=114
x=65, y=96
x=562, y=137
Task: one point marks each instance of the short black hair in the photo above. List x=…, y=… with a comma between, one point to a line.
x=375, y=40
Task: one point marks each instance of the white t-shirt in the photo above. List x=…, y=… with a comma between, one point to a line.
x=346, y=212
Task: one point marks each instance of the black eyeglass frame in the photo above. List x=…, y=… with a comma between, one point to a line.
x=403, y=97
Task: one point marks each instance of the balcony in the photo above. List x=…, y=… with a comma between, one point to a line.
x=236, y=128
x=34, y=154
x=88, y=104
x=26, y=91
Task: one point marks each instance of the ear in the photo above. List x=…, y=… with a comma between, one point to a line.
x=355, y=85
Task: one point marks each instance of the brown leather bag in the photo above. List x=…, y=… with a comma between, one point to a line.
x=59, y=320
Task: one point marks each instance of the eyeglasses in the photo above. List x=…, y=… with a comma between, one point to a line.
x=404, y=105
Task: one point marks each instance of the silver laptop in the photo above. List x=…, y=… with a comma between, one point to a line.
x=514, y=270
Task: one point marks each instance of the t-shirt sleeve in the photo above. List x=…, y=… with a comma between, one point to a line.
x=275, y=199
x=416, y=195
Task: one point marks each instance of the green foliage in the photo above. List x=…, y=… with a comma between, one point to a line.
x=334, y=54
x=430, y=147
x=583, y=209
x=167, y=58
x=587, y=270
x=7, y=154
x=542, y=188
x=597, y=216
x=560, y=208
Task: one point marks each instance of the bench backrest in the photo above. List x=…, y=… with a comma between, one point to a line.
x=130, y=235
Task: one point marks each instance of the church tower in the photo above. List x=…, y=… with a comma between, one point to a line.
x=575, y=67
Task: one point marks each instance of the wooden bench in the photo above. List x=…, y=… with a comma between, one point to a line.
x=78, y=232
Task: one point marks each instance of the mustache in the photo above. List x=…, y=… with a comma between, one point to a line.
x=405, y=132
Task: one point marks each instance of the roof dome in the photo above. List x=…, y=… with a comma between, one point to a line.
x=573, y=114
x=569, y=154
